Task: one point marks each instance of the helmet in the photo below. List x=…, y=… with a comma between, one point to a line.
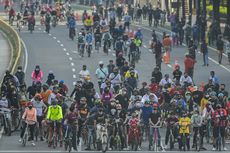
x=54, y=102
x=188, y=93
x=87, y=78
x=147, y=102
x=113, y=111
x=220, y=95
x=80, y=33
x=118, y=107
x=61, y=81
x=101, y=62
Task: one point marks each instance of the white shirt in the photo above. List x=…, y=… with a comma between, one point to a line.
x=163, y=82
x=183, y=79
x=83, y=74
x=146, y=98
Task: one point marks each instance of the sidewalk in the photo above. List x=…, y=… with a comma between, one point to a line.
x=4, y=55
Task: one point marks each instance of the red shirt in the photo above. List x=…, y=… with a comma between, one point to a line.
x=154, y=87
x=219, y=117
x=188, y=63
x=133, y=122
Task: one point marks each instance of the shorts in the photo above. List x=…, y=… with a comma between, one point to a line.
x=58, y=124
x=39, y=119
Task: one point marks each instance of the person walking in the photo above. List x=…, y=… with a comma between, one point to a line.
x=158, y=54
x=189, y=65
x=220, y=48
x=204, y=50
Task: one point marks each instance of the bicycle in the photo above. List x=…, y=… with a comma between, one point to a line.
x=25, y=136
x=55, y=135
x=171, y=139
x=218, y=140
x=81, y=50
x=36, y=132
x=97, y=47
x=117, y=138
x=7, y=123
x=89, y=48
x=198, y=141
x=183, y=138
x=54, y=21
x=102, y=142
x=134, y=138
x=68, y=138
x=155, y=139
x=16, y=118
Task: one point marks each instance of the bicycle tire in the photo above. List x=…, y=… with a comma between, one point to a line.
x=171, y=142
x=104, y=144
x=54, y=141
x=24, y=140
x=136, y=143
x=8, y=127
x=70, y=145
x=18, y=122
x=66, y=145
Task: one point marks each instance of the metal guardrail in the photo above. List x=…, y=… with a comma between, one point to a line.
x=15, y=41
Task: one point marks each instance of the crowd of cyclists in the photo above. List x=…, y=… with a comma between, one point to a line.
x=122, y=114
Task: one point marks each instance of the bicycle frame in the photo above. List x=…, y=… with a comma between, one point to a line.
x=25, y=135
x=155, y=137
x=55, y=135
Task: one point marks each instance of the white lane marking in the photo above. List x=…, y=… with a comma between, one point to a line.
x=74, y=76
x=47, y=151
x=44, y=31
x=72, y=64
x=70, y=58
x=75, y=52
x=61, y=45
x=1, y=132
x=214, y=61
x=26, y=55
x=73, y=69
x=54, y=38
x=74, y=83
x=58, y=41
x=39, y=28
x=144, y=46
x=64, y=49
x=169, y=65
x=67, y=54
x=50, y=34
x=114, y=54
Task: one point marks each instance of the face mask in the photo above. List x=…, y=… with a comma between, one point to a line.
x=187, y=97
x=19, y=70
x=54, y=106
x=30, y=107
x=36, y=69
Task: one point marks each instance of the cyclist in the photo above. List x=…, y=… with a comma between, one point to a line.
x=89, y=41
x=184, y=129
x=81, y=42
x=107, y=40
x=133, y=125
x=139, y=34
x=30, y=117
x=88, y=23
x=219, y=119
x=31, y=22
x=155, y=122
x=54, y=114
x=84, y=73
x=47, y=22
x=100, y=120
x=132, y=49
x=83, y=114
x=101, y=73
x=72, y=25
x=196, y=121
x=37, y=74
x=41, y=108
x=71, y=120
x=97, y=36
x=11, y=14
x=171, y=122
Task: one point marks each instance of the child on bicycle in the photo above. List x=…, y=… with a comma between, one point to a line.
x=133, y=127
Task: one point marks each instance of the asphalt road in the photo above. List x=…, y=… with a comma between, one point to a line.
x=56, y=52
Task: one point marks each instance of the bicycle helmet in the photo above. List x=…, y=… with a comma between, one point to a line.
x=220, y=95
x=39, y=96
x=29, y=104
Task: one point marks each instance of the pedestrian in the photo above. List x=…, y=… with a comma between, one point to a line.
x=167, y=43
x=220, y=48
x=101, y=73
x=150, y=15
x=189, y=65
x=157, y=74
x=127, y=20
x=204, y=50
x=192, y=49
x=158, y=54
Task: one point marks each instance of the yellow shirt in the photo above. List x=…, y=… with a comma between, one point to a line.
x=88, y=22
x=203, y=103
x=54, y=114
x=184, y=125
x=127, y=75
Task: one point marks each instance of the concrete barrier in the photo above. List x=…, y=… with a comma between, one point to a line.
x=15, y=42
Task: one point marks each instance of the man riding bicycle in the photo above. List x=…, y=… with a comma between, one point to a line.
x=89, y=41
x=54, y=114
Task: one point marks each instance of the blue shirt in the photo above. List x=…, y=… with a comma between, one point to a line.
x=146, y=112
x=72, y=23
x=89, y=38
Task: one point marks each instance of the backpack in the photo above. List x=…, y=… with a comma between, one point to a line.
x=81, y=39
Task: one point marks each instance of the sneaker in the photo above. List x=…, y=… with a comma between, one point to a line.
x=110, y=149
x=32, y=143
x=87, y=148
x=41, y=139
x=166, y=146
x=213, y=149
x=20, y=140
x=139, y=148
x=225, y=149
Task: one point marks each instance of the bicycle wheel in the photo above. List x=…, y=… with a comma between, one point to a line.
x=104, y=144
x=171, y=142
x=66, y=144
x=54, y=141
x=8, y=127
x=70, y=145
x=24, y=140
x=135, y=144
